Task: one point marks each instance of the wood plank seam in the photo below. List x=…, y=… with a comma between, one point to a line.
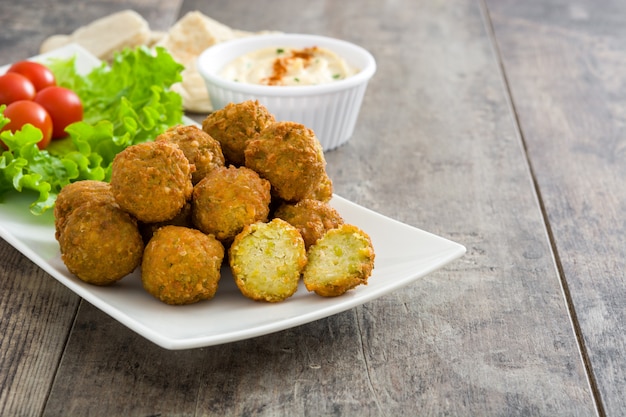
x=60, y=361
x=582, y=349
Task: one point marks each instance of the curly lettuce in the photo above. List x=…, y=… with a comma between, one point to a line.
x=126, y=102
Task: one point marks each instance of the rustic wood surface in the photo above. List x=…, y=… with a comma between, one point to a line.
x=561, y=60
x=496, y=124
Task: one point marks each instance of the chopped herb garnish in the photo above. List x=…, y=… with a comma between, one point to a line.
x=280, y=51
x=337, y=76
x=297, y=79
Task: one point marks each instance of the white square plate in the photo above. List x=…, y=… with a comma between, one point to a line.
x=403, y=254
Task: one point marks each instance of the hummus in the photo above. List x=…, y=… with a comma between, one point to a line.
x=288, y=67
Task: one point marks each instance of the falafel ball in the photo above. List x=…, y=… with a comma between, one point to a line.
x=323, y=191
x=312, y=218
x=183, y=218
x=266, y=260
x=152, y=180
x=100, y=243
x=181, y=265
x=198, y=146
x=75, y=194
x=236, y=124
x=342, y=259
x=290, y=157
x=228, y=199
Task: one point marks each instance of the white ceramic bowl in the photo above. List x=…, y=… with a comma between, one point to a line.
x=331, y=110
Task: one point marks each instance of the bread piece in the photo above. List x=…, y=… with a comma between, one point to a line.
x=54, y=42
x=192, y=34
x=105, y=36
x=185, y=41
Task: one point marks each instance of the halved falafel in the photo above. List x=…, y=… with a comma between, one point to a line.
x=342, y=259
x=266, y=260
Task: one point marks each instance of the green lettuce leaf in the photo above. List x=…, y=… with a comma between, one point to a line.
x=125, y=103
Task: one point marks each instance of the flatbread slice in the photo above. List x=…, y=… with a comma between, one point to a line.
x=103, y=37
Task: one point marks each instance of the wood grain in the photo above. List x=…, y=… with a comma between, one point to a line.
x=36, y=311
x=563, y=65
x=36, y=317
x=438, y=147
x=27, y=26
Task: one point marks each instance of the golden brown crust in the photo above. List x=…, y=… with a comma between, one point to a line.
x=74, y=195
x=151, y=180
x=182, y=265
x=204, y=152
x=187, y=221
x=341, y=260
x=235, y=125
x=289, y=155
x=183, y=218
x=228, y=199
x=100, y=243
x=312, y=218
x=323, y=191
x=266, y=260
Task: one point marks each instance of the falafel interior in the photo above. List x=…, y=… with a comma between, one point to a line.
x=244, y=190
x=266, y=260
x=341, y=260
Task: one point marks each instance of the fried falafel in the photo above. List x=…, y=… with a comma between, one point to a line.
x=75, y=194
x=228, y=199
x=235, y=125
x=100, y=243
x=166, y=188
x=152, y=180
x=183, y=218
x=198, y=146
x=182, y=265
x=339, y=261
x=312, y=218
x=290, y=157
x=323, y=191
x=266, y=260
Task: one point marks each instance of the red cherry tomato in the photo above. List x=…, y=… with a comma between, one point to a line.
x=14, y=87
x=63, y=106
x=37, y=73
x=26, y=111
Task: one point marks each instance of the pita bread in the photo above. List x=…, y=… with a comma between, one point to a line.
x=105, y=36
x=185, y=41
x=54, y=42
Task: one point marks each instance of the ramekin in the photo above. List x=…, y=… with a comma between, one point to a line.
x=330, y=110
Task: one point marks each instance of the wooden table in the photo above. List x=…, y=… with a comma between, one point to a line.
x=498, y=124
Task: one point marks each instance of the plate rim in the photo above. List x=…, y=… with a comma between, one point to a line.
x=453, y=251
